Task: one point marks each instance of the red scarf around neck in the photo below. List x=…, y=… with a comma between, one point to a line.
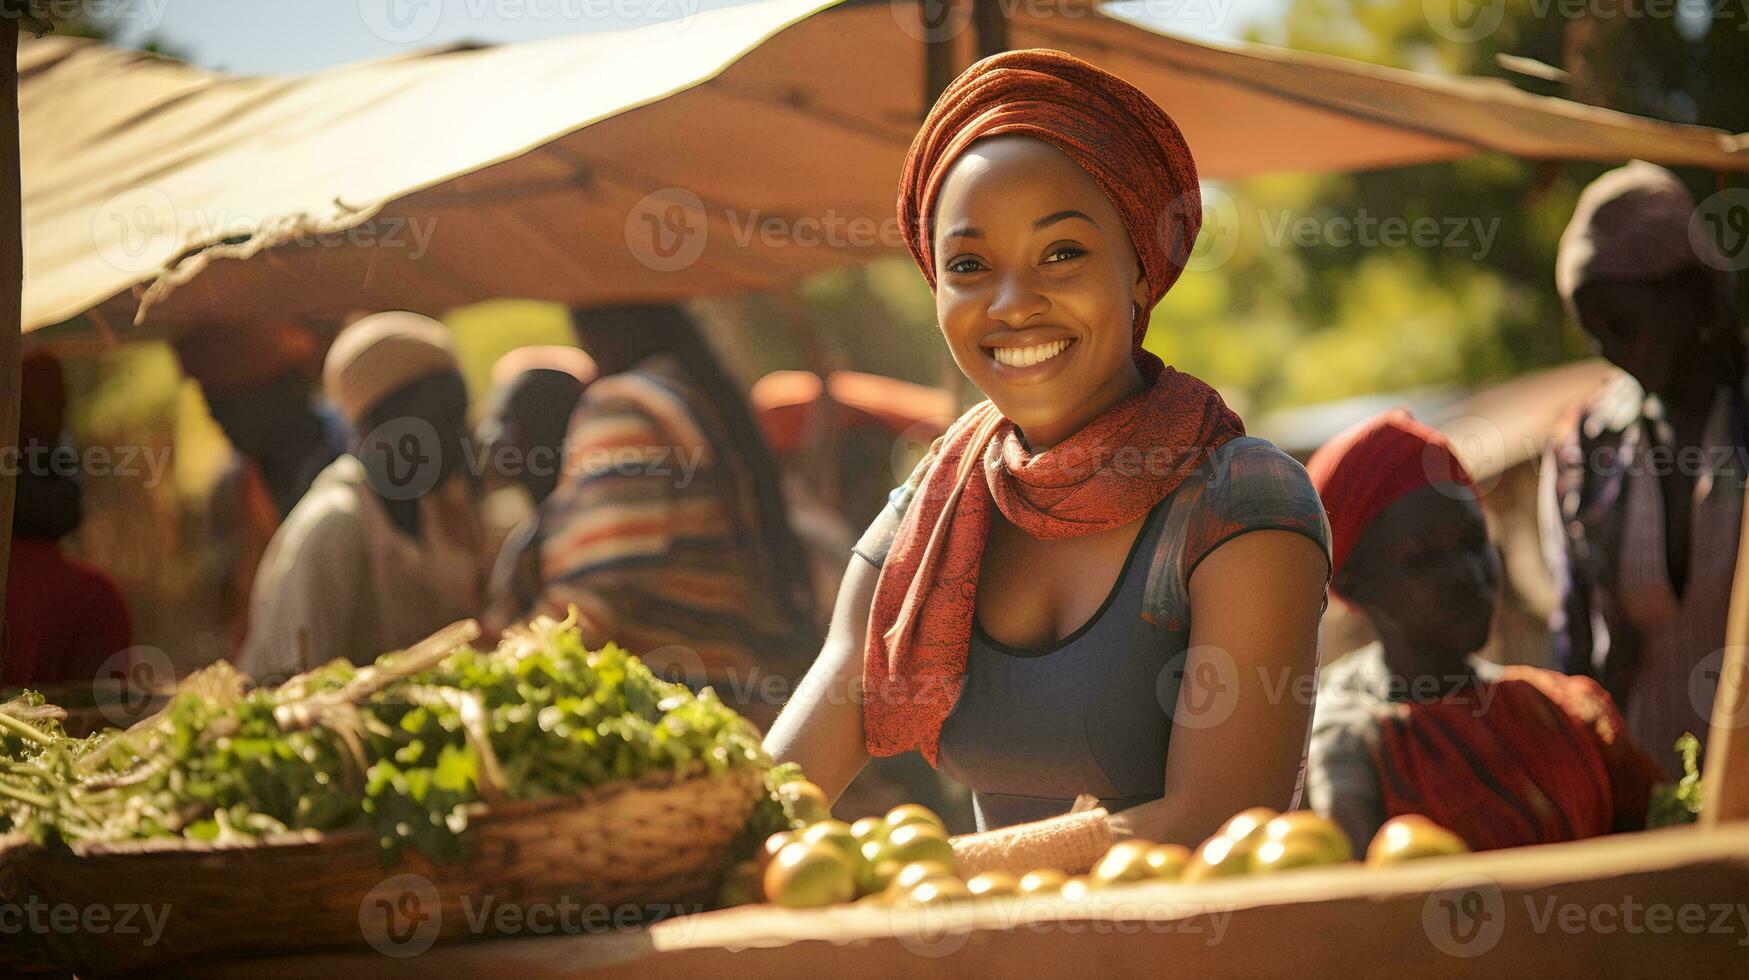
x=1110, y=473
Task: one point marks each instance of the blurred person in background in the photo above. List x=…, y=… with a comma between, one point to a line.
x=257, y=381
x=64, y=616
x=667, y=530
x=1416, y=722
x=522, y=438
x=1642, y=496
x=386, y=546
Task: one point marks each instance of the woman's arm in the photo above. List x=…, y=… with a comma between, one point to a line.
x=821, y=726
x=1239, y=729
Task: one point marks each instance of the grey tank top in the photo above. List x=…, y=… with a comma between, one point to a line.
x=1033, y=729
x=1092, y=713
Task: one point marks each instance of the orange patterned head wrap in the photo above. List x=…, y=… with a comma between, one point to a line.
x=1126, y=143
x=920, y=621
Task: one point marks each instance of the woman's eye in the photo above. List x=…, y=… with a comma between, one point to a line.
x=962, y=266
x=1062, y=252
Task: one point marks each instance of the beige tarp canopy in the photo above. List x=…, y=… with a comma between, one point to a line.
x=737, y=150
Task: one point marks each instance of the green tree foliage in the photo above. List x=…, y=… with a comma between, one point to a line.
x=1290, y=301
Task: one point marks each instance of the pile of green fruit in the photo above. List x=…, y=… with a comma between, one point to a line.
x=822, y=861
x=904, y=858
x=402, y=748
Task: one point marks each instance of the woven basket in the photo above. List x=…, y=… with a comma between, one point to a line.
x=646, y=849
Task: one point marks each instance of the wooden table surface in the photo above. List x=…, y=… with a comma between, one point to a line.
x=1666, y=903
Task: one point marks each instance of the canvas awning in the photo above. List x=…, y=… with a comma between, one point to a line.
x=740, y=149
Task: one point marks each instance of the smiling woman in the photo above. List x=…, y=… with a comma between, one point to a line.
x=1079, y=547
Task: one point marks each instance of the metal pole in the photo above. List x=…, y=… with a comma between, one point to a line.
x=11, y=298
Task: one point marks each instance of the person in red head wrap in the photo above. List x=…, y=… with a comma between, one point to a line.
x=1024, y=610
x=65, y=617
x=1417, y=723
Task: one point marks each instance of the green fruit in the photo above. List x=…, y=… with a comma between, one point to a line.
x=1168, y=861
x=1304, y=825
x=804, y=801
x=909, y=875
x=1410, y=838
x=1246, y=828
x=918, y=842
x=809, y=876
x=772, y=845
x=1218, y=857
x=1043, y=881
x=906, y=814
x=993, y=884
x=932, y=891
x=1126, y=861
x=1273, y=856
x=834, y=832
x=869, y=828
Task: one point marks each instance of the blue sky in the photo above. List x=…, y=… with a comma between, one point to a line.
x=305, y=35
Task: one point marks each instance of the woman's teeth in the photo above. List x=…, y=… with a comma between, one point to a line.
x=1028, y=356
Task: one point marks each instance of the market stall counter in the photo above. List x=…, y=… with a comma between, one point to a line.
x=1675, y=900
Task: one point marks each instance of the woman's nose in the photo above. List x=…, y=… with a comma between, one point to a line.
x=1017, y=300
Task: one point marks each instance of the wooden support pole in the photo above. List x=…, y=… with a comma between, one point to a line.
x=11, y=298
x=1725, y=770
x=938, y=70
x=992, y=27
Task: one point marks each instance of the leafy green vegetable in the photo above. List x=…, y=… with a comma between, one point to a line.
x=1679, y=803
x=539, y=716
